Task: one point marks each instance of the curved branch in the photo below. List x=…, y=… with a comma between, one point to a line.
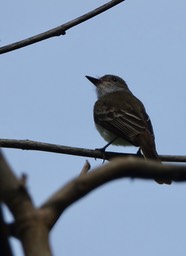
x=60, y=30
x=28, y=225
x=53, y=148
x=117, y=168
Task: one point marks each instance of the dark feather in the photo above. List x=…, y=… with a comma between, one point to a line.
x=127, y=118
x=122, y=118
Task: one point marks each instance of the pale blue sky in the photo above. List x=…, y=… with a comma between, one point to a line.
x=46, y=97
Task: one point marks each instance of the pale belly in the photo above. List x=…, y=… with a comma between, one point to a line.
x=109, y=136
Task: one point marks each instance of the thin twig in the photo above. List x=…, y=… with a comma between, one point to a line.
x=85, y=169
x=60, y=30
x=53, y=148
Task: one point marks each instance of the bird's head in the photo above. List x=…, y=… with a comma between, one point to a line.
x=108, y=84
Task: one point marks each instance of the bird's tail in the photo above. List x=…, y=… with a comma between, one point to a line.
x=150, y=152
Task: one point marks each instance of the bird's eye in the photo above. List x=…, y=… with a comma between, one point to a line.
x=114, y=78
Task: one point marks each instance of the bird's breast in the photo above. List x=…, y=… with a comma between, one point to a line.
x=109, y=136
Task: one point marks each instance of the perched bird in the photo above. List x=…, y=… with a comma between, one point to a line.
x=121, y=118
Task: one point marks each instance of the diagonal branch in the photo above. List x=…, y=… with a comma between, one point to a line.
x=53, y=148
x=116, y=169
x=60, y=30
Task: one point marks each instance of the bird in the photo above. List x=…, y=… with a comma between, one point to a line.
x=121, y=118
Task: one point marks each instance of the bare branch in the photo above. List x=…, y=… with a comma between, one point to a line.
x=117, y=168
x=86, y=168
x=5, y=248
x=53, y=148
x=29, y=226
x=33, y=225
x=60, y=30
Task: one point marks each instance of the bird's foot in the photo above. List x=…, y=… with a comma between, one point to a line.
x=102, y=150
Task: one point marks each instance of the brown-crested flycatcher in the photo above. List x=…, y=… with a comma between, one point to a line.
x=121, y=118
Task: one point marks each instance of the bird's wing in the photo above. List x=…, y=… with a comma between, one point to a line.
x=123, y=119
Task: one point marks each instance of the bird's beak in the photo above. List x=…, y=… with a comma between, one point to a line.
x=93, y=80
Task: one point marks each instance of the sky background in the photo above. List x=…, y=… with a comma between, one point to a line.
x=46, y=97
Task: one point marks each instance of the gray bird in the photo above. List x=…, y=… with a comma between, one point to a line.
x=121, y=118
